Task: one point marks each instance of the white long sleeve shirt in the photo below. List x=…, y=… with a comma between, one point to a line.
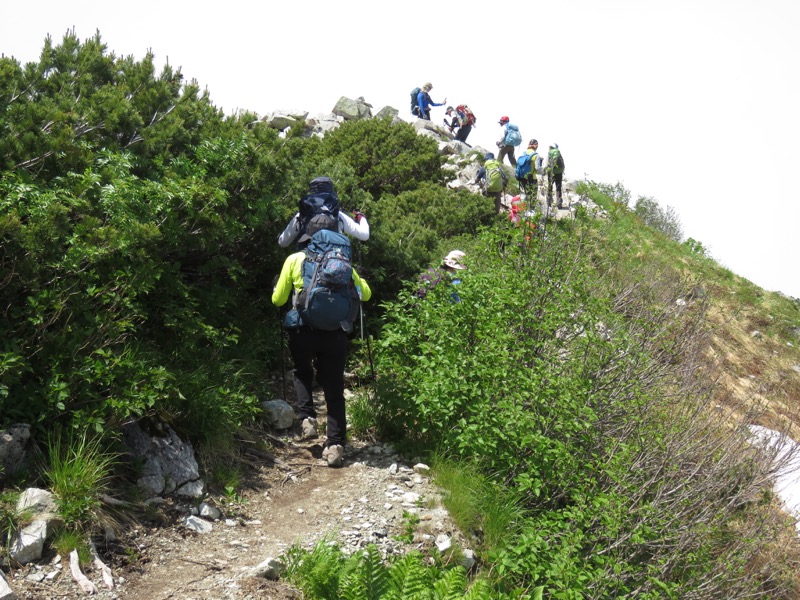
x=347, y=225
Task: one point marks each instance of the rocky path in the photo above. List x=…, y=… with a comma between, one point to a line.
x=293, y=499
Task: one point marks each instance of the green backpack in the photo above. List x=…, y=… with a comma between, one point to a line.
x=495, y=177
x=556, y=161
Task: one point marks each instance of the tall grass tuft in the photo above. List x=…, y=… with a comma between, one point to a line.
x=78, y=471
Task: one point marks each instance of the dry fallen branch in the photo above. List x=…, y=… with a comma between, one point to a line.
x=108, y=579
x=75, y=567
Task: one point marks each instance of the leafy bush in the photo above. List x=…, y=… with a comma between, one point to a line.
x=386, y=157
x=576, y=394
x=665, y=220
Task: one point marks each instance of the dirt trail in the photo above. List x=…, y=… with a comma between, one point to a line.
x=298, y=499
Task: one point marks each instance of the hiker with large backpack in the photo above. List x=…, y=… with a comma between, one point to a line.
x=461, y=118
x=323, y=203
x=326, y=297
x=446, y=272
x=527, y=166
x=493, y=180
x=510, y=140
x=422, y=108
x=555, y=174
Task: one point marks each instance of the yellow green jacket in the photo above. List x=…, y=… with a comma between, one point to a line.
x=291, y=278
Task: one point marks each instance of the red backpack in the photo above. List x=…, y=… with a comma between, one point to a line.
x=469, y=116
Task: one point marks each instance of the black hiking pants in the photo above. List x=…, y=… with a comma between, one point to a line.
x=551, y=179
x=329, y=348
x=463, y=132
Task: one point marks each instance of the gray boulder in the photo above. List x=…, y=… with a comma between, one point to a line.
x=322, y=124
x=353, y=110
x=13, y=442
x=28, y=542
x=169, y=462
x=282, y=119
x=387, y=112
x=271, y=568
x=278, y=413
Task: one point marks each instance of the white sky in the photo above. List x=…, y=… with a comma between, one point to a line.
x=693, y=102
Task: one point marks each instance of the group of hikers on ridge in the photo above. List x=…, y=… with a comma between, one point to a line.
x=326, y=291
x=491, y=176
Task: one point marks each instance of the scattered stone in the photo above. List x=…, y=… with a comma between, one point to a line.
x=756, y=334
x=278, y=413
x=197, y=524
x=271, y=568
x=387, y=112
x=467, y=559
x=443, y=542
x=422, y=469
x=209, y=512
x=6, y=593
x=412, y=497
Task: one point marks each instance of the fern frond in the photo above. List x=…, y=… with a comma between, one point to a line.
x=451, y=585
x=410, y=578
x=479, y=590
x=366, y=577
x=317, y=572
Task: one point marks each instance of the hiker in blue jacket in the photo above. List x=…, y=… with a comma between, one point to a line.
x=506, y=143
x=424, y=102
x=528, y=182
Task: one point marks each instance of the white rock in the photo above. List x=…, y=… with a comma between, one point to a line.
x=271, y=568
x=197, y=524
x=411, y=497
x=6, y=593
x=209, y=512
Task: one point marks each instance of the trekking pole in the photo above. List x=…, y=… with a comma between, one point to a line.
x=283, y=355
x=369, y=351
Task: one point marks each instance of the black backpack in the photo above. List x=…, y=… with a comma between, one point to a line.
x=323, y=208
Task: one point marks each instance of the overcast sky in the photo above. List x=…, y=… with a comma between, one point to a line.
x=693, y=102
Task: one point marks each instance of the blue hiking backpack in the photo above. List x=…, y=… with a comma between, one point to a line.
x=329, y=299
x=524, y=165
x=513, y=136
x=414, y=104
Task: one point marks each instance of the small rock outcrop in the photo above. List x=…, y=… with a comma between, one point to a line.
x=28, y=542
x=13, y=442
x=278, y=413
x=169, y=462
